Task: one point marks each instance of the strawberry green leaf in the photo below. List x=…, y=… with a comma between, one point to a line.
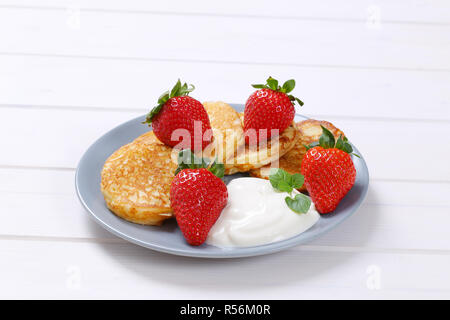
x=259, y=86
x=164, y=97
x=288, y=86
x=185, y=90
x=272, y=83
x=299, y=204
x=347, y=147
x=153, y=113
x=344, y=145
x=339, y=143
x=295, y=99
x=326, y=140
x=300, y=102
x=311, y=145
x=218, y=169
x=177, y=90
x=188, y=160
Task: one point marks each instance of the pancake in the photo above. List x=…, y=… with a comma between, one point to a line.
x=309, y=131
x=250, y=158
x=227, y=131
x=136, y=181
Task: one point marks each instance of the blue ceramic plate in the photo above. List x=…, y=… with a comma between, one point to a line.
x=168, y=238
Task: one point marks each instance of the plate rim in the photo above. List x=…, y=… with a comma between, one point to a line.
x=226, y=252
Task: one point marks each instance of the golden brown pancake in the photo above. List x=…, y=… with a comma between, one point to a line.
x=227, y=131
x=136, y=181
x=249, y=158
x=309, y=131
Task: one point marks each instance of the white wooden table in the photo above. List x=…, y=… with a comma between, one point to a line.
x=72, y=70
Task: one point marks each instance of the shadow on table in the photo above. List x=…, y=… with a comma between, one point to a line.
x=298, y=264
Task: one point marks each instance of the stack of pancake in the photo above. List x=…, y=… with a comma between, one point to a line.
x=136, y=178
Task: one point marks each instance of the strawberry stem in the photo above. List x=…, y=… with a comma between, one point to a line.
x=188, y=160
x=327, y=141
x=287, y=87
x=177, y=91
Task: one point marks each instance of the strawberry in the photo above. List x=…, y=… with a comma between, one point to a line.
x=175, y=111
x=197, y=196
x=328, y=170
x=269, y=108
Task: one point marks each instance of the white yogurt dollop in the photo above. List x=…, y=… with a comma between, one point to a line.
x=257, y=214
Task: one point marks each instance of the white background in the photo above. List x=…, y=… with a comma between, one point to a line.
x=72, y=70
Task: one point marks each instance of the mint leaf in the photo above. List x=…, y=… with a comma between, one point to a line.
x=285, y=182
x=297, y=180
x=326, y=140
x=299, y=204
x=278, y=177
x=284, y=186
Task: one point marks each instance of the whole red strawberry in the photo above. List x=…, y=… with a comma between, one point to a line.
x=270, y=108
x=179, y=120
x=197, y=197
x=329, y=171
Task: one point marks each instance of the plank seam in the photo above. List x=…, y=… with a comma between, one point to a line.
x=205, y=61
x=145, y=110
x=226, y=15
x=52, y=168
x=319, y=248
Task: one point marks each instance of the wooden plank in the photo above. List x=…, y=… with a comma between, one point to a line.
x=222, y=38
x=137, y=84
x=391, y=209
x=53, y=138
x=41, y=269
x=58, y=138
x=436, y=11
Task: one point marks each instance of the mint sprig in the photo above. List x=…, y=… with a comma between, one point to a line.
x=177, y=91
x=287, y=87
x=299, y=204
x=327, y=141
x=188, y=160
x=285, y=182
